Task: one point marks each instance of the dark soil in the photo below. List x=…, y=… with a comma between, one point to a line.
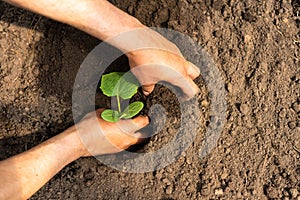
x=255, y=45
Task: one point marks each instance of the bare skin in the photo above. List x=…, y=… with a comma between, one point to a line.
x=22, y=175
x=104, y=21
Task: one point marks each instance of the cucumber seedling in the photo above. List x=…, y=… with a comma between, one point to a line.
x=122, y=86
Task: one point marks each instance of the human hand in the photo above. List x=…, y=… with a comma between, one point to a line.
x=153, y=58
x=151, y=66
x=102, y=137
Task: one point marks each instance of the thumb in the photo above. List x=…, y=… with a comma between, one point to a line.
x=136, y=136
x=140, y=122
x=130, y=126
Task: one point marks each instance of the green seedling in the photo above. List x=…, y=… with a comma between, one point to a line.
x=122, y=86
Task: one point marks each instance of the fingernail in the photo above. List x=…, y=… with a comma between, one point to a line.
x=147, y=118
x=146, y=93
x=197, y=70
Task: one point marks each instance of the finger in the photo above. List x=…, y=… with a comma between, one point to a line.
x=193, y=89
x=132, y=125
x=189, y=89
x=147, y=89
x=193, y=71
x=138, y=138
x=140, y=122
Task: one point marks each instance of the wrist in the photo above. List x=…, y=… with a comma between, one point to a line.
x=142, y=38
x=70, y=142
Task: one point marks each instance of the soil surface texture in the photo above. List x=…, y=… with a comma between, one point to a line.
x=254, y=45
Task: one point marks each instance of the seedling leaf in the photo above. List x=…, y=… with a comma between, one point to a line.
x=132, y=110
x=122, y=84
x=110, y=115
x=127, y=86
x=109, y=83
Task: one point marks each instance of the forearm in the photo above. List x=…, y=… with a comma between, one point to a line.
x=24, y=174
x=96, y=17
x=102, y=20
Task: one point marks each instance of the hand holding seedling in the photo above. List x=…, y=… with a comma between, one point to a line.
x=91, y=136
x=102, y=137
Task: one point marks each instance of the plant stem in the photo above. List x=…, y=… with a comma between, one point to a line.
x=119, y=104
